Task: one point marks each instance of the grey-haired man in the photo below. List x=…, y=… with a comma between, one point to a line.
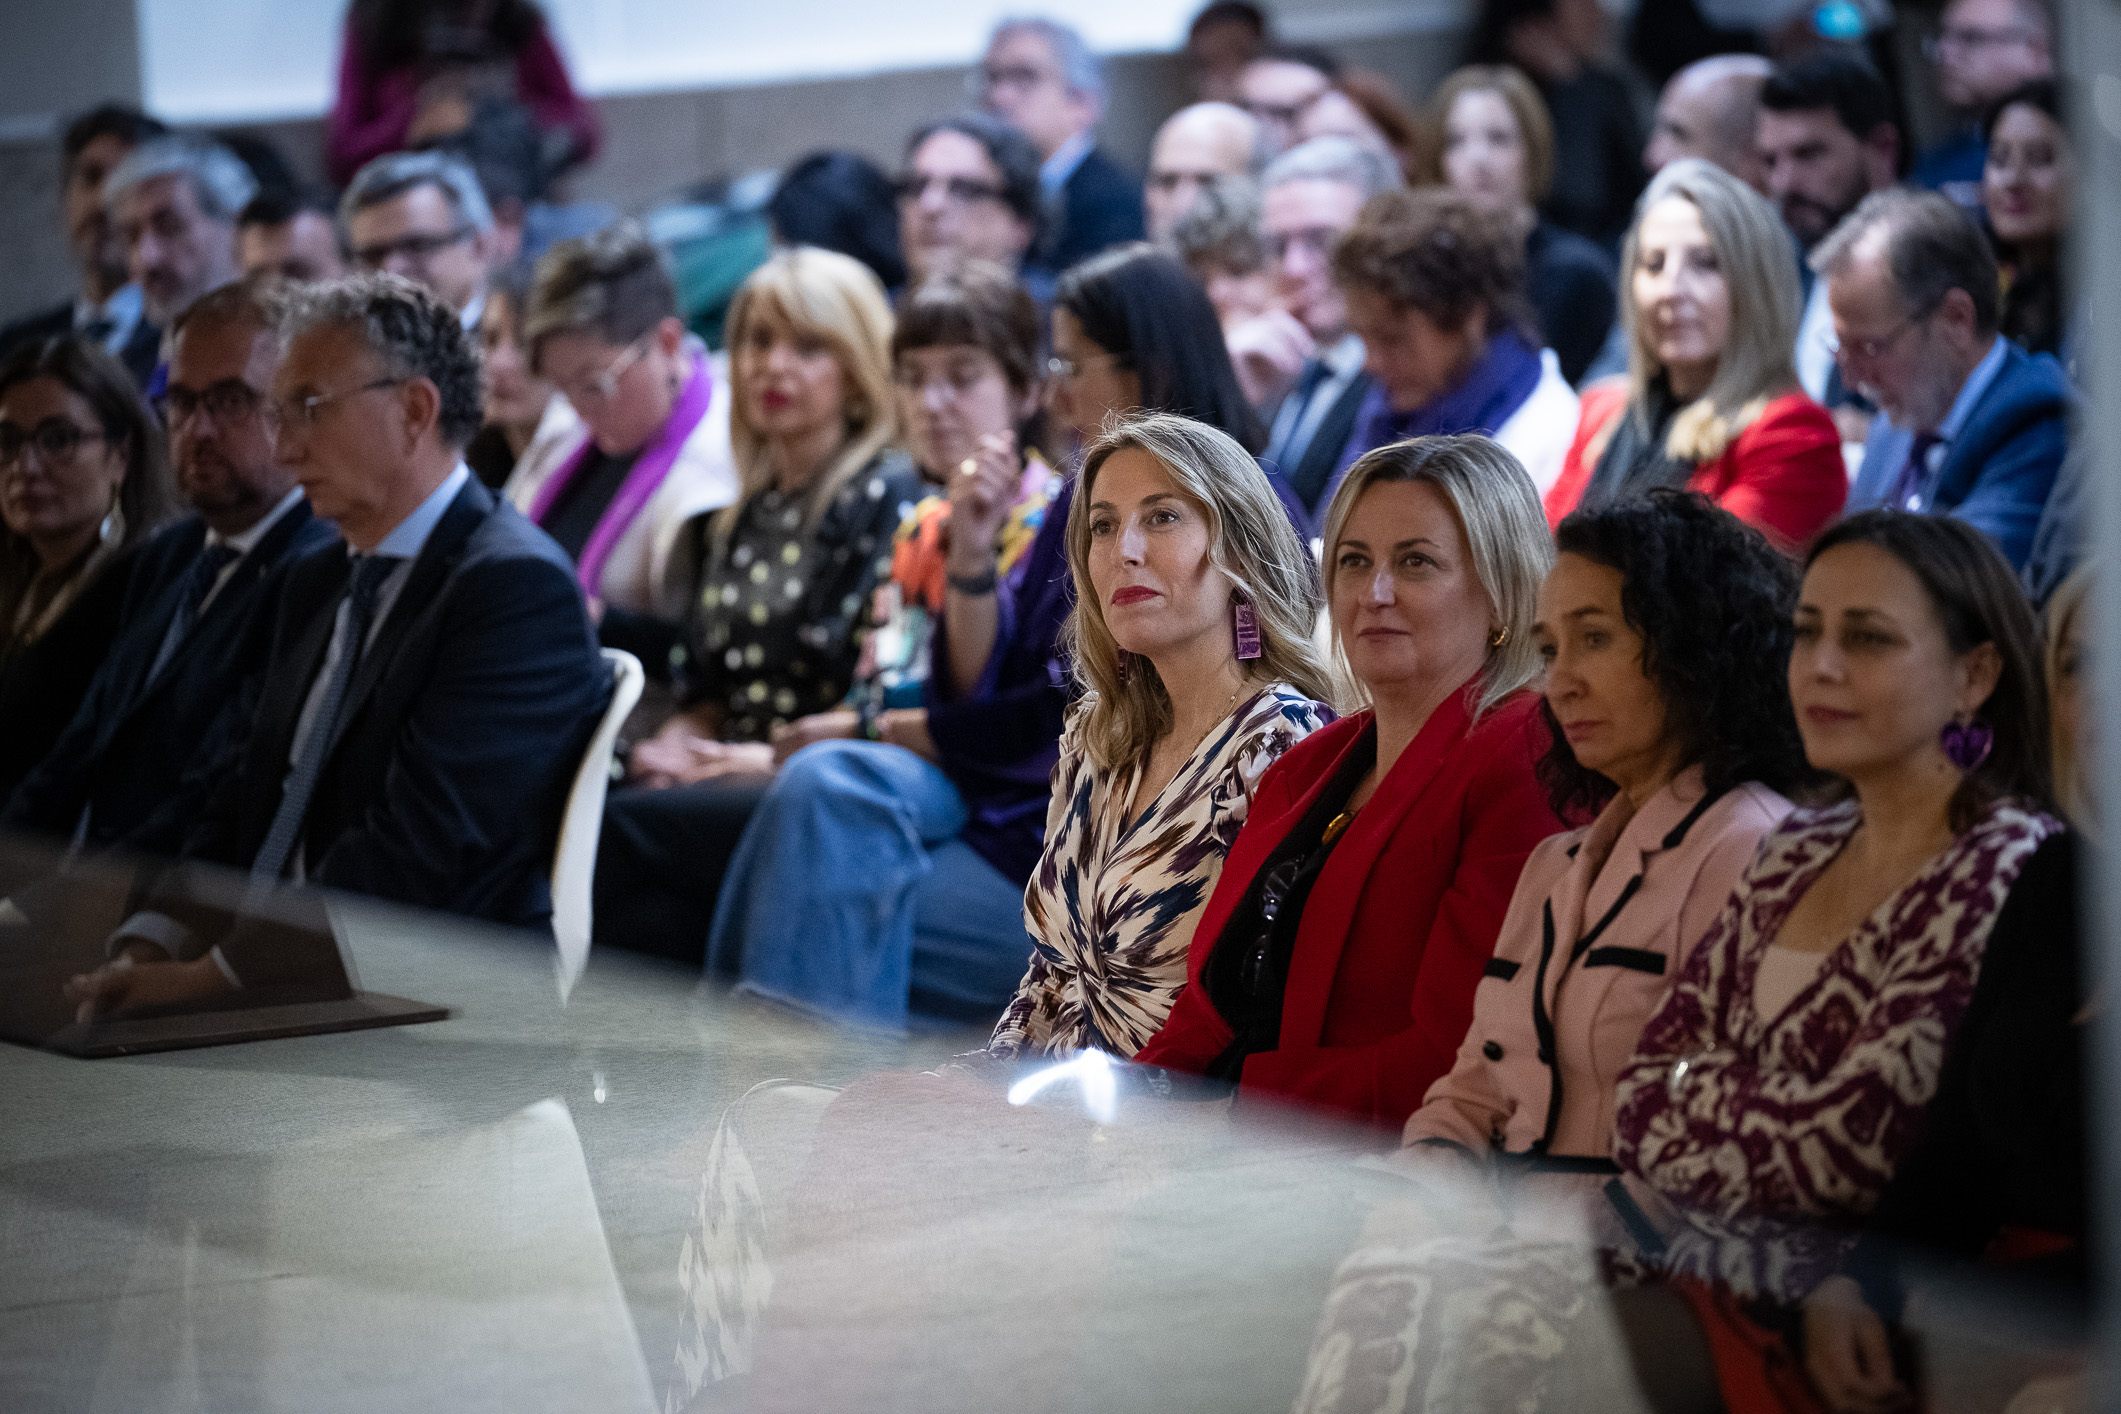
x=423, y=215
x=175, y=200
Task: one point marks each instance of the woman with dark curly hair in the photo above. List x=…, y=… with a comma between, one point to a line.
x=1665, y=627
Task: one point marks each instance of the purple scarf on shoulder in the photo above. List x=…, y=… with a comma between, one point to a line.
x=650, y=469
x=1496, y=386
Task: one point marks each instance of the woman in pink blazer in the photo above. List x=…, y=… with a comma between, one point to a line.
x=1665, y=625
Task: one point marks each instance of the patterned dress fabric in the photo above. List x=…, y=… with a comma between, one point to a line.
x=1112, y=905
x=772, y=632
x=1782, y=1129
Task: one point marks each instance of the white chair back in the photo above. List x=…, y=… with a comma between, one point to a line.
x=574, y=864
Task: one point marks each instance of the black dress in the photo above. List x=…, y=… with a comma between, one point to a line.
x=42, y=685
x=2003, y=1146
x=1572, y=286
x=771, y=637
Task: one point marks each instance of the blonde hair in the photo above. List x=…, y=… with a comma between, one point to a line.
x=2072, y=791
x=1498, y=508
x=834, y=298
x=1249, y=540
x=1753, y=254
x=1535, y=127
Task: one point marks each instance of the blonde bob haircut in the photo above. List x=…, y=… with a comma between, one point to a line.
x=1249, y=540
x=1753, y=254
x=2072, y=791
x=1535, y=127
x=835, y=299
x=1498, y=507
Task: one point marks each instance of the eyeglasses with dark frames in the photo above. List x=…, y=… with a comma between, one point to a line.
x=55, y=439
x=419, y=249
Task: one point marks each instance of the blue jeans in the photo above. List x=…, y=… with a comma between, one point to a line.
x=851, y=894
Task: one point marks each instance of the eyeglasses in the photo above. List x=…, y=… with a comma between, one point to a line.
x=417, y=249
x=1870, y=350
x=986, y=78
x=302, y=412
x=1068, y=369
x=961, y=191
x=1961, y=39
x=1318, y=240
x=228, y=401
x=55, y=439
x=604, y=385
x=1283, y=115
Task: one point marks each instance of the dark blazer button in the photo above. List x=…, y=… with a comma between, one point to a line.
x=1492, y=1050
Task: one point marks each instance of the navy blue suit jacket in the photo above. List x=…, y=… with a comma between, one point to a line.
x=461, y=730
x=140, y=754
x=1998, y=471
x=1101, y=206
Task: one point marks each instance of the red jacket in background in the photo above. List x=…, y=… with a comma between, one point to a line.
x=1784, y=474
x=1400, y=921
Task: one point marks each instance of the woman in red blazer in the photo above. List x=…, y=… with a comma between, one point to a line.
x=1711, y=401
x=1337, y=958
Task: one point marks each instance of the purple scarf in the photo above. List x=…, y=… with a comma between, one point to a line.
x=1496, y=386
x=650, y=469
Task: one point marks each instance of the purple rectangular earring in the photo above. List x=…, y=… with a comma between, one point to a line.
x=1125, y=660
x=1244, y=628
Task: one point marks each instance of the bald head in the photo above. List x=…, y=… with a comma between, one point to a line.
x=1709, y=110
x=1194, y=144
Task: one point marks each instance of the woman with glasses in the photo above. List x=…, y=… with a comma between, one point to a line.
x=786, y=568
x=84, y=477
x=940, y=805
x=644, y=451
x=1711, y=402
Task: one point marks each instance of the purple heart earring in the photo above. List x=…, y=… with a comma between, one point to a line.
x=1967, y=744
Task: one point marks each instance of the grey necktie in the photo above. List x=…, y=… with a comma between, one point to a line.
x=301, y=782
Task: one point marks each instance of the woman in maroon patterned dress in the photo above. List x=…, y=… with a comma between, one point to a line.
x=1778, y=1086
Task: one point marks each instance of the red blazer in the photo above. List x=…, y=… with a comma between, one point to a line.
x=1400, y=922
x=1784, y=474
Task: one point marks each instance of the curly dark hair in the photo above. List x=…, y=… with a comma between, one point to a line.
x=412, y=331
x=1979, y=600
x=1712, y=601
x=1430, y=249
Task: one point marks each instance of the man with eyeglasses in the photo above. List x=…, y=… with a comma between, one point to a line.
x=432, y=680
x=1969, y=424
x=175, y=200
x=131, y=768
x=1298, y=362
x=423, y=215
x=1983, y=49
x=969, y=191
x=1194, y=147
x=1041, y=79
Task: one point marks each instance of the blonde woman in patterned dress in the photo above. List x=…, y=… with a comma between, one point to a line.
x=1194, y=608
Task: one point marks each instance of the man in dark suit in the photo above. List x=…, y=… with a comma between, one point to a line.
x=1041, y=78
x=1969, y=424
x=432, y=681
x=1299, y=363
x=132, y=767
x=108, y=307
